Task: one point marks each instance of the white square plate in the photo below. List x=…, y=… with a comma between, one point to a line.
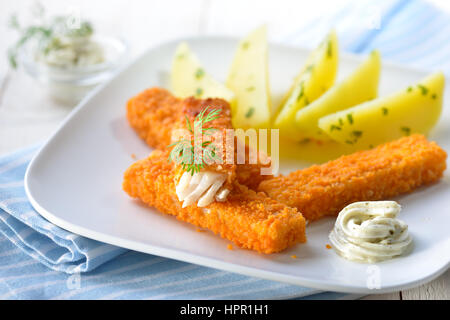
x=75, y=182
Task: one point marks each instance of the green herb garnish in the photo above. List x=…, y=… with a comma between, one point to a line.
x=199, y=73
x=251, y=88
x=357, y=134
x=350, y=118
x=198, y=92
x=309, y=68
x=385, y=111
x=334, y=127
x=406, y=130
x=329, y=49
x=305, y=141
x=245, y=45
x=302, y=91
x=194, y=158
x=250, y=112
x=434, y=96
x=423, y=88
x=409, y=89
x=41, y=34
x=47, y=35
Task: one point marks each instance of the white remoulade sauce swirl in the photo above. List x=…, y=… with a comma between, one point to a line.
x=369, y=232
x=202, y=188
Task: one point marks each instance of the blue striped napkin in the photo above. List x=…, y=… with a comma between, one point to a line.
x=54, y=247
x=411, y=32
x=405, y=31
x=118, y=274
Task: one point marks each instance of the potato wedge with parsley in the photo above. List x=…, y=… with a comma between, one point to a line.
x=360, y=86
x=249, y=79
x=315, y=78
x=413, y=110
x=189, y=78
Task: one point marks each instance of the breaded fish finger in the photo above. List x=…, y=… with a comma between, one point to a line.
x=249, y=219
x=381, y=173
x=155, y=113
x=152, y=114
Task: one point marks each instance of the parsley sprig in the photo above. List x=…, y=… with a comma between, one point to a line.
x=185, y=153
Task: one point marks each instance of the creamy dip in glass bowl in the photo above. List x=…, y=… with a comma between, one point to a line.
x=68, y=82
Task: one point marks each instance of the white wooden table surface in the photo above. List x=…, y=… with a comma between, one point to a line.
x=28, y=116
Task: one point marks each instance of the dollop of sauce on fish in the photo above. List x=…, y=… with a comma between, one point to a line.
x=369, y=232
x=202, y=187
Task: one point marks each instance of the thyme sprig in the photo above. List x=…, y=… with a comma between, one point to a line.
x=185, y=153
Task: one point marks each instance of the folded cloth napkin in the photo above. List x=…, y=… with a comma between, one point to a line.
x=131, y=275
x=55, y=247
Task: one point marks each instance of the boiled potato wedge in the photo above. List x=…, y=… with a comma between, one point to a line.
x=413, y=110
x=249, y=79
x=315, y=78
x=189, y=78
x=295, y=154
x=360, y=86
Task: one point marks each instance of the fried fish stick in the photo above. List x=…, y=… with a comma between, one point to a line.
x=155, y=113
x=251, y=220
x=381, y=173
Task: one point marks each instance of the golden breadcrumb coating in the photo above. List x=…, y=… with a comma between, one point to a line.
x=152, y=113
x=155, y=113
x=250, y=219
x=381, y=173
